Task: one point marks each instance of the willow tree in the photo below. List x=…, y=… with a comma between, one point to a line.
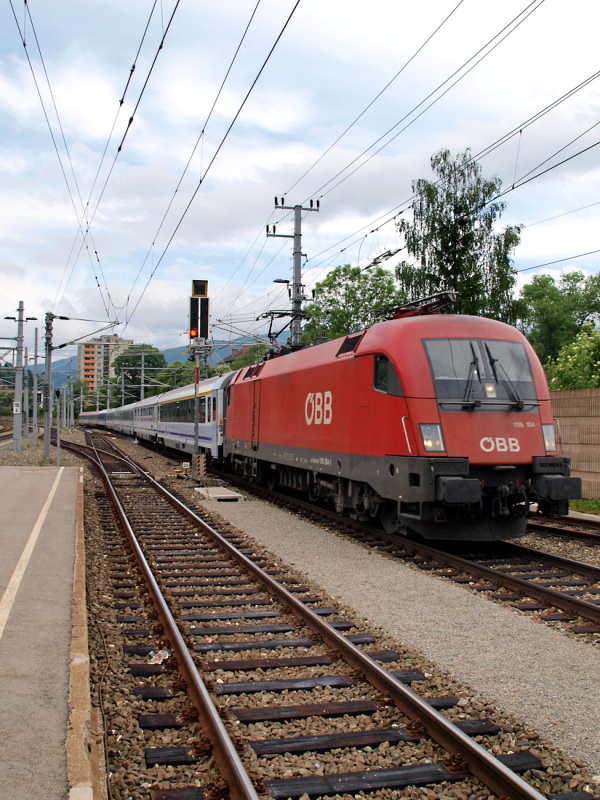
x=453, y=241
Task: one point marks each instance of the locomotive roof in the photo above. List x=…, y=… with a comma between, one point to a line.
x=390, y=337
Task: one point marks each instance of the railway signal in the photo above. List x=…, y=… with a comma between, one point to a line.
x=194, y=316
x=198, y=327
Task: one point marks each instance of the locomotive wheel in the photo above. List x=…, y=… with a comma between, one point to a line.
x=389, y=518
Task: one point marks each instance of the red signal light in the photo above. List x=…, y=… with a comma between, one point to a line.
x=193, y=333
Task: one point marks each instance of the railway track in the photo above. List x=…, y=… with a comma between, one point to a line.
x=289, y=683
x=556, y=589
x=6, y=433
x=587, y=530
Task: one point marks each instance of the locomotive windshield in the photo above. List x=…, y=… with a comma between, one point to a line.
x=476, y=372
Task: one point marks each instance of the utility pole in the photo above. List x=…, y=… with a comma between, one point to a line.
x=35, y=391
x=18, y=398
x=48, y=399
x=58, y=427
x=26, y=398
x=18, y=401
x=297, y=294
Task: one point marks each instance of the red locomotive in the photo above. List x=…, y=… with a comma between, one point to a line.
x=434, y=423
x=440, y=424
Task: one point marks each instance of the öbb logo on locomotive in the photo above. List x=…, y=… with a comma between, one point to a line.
x=318, y=408
x=501, y=445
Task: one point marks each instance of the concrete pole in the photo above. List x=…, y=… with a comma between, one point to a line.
x=48, y=400
x=18, y=399
x=26, y=398
x=35, y=391
x=297, y=294
x=58, y=427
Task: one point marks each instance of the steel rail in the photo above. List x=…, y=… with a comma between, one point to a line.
x=589, y=570
x=569, y=532
x=553, y=597
x=495, y=775
x=550, y=596
x=224, y=751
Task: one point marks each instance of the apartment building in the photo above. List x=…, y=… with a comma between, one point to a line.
x=95, y=358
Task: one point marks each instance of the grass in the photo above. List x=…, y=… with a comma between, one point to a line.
x=585, y=506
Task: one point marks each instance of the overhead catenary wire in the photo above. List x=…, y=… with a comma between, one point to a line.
x=212, y=161
x=322, y=191
x=195, y=147
x=131, y=118
x=99, y=169
x=405, y=205
x=251, y=275
x=516, y=184
x=559, y=261
x=337, y=140
x=80, y=218
x=46, y=117
x=506, y=30
x=377, y=96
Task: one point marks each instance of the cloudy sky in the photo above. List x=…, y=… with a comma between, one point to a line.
x=119, y=186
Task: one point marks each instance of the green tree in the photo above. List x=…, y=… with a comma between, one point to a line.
x=350, y=299
x=253, y=355
x=175, y=375
x=453, y=241
x=129, y=365
x=578, y=363
x=6, y=403
x=554, y=314
x=7, y=378
x=80, y=394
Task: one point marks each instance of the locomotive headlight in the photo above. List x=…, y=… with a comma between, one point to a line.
x=433, y=441
x=549, y=438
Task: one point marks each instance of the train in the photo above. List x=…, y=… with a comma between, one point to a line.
x=435, y=424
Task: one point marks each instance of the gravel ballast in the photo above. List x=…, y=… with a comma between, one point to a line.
x=525, y=668
x=542, y=677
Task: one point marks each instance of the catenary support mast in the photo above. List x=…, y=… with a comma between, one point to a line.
x=297, y=293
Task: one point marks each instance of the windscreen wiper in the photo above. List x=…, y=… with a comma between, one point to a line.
x=468, y=402
x=497, y=369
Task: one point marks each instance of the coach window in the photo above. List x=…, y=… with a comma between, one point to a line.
x=385, y=377
x=202, y=410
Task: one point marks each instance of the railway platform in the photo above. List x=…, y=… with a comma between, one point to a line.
x=45, y=717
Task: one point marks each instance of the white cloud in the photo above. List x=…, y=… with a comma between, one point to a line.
x=332, y=60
